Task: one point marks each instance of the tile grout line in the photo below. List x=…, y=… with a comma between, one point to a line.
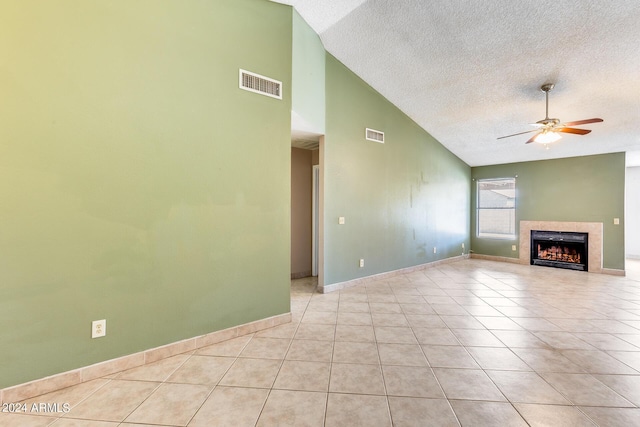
x=217, y=382
x=384, y=381
x=333, y=350
x=429, y=363
x=283, y=356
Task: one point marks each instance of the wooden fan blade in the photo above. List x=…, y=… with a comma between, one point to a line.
x=531, y=139
x=573, y=130
x=583, y=122
x=515, y=134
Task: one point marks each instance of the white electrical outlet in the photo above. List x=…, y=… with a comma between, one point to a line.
x=616, y=221
x=361, y=262
x=513, y=247
x=98, y=328
x=435, y=250
x=341, y=220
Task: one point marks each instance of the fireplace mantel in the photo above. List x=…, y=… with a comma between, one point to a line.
x=595, y=230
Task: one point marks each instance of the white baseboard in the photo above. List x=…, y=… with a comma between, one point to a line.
x=363, y=280
x=300, y=275
x=498, y=258
x=62, y=380
x=614, y=272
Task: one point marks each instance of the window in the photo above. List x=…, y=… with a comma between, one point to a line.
x=496, y=215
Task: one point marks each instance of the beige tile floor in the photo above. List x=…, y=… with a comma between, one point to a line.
x=470, y=343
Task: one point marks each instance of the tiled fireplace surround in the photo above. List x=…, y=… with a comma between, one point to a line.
x=595, y=230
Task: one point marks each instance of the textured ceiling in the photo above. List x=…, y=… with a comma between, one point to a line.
x=470, y=71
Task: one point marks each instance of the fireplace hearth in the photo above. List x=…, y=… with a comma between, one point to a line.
x=560, y=249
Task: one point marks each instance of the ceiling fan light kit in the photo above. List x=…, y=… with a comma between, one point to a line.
x=546, y=137
x=547, y=129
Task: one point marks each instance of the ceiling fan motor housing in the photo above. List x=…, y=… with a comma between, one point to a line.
x=547, y=87
x=548, y=122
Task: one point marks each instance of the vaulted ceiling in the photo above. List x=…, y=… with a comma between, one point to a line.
x=470, y=71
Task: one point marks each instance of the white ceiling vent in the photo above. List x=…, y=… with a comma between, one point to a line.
x=374, y=135
x=260, y=84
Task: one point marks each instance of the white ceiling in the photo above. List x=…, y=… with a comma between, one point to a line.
x=470, y=71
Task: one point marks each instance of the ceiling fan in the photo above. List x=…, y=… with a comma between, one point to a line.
x=547, y=129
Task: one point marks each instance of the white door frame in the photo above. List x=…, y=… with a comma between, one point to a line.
x=315, y=219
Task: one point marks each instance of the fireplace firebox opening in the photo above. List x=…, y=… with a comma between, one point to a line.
x=561, y=249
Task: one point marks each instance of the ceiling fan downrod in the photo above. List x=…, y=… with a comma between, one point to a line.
x=546, y=88
x=547, y=121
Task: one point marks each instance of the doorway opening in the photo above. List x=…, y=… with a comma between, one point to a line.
x=632, y=214
x=306, y=207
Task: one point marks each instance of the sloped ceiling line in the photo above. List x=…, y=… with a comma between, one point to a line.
x=469, y=72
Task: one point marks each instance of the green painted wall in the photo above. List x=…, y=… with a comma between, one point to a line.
x=589, y=189
x=399, y=199
x=308, y=78
x=137, y=182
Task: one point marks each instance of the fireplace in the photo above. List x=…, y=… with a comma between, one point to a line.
x=561, y=249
